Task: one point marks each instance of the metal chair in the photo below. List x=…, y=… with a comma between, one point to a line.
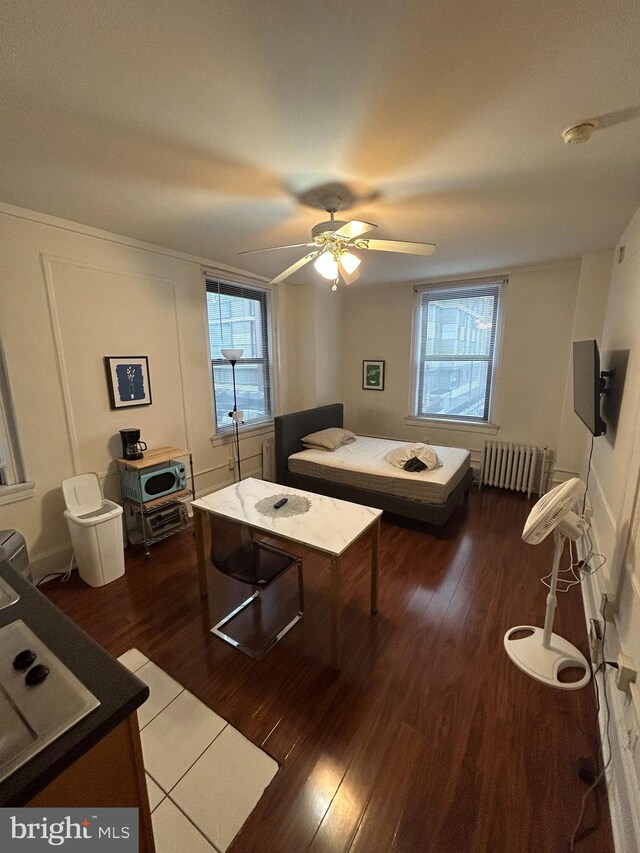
x=236, y=554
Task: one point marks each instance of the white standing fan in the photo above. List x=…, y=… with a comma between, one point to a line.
x=541, y=653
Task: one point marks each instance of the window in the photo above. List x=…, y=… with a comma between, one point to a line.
x=9, y=463
x=455, y=351
x=239, y=317
x=12, y=484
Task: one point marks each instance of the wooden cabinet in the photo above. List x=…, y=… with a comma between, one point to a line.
x=109, y=775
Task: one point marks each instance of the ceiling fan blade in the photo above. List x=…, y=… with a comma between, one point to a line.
x=396, y=246
x=354, y=228
x=290, y=270
x=617, y=117
x=349, y=277
x=273, y=248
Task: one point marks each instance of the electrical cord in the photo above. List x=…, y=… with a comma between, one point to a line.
x=577, y=569
x=64, y=575
x=47, y=577
x=585, y=565
x=563, y=583
x=584, y=499
x=238, y=451
x=235, y=443
x=600, y=776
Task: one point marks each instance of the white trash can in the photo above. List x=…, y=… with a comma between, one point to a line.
x=95, y=525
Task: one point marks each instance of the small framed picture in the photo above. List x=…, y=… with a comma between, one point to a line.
x=128, y=380
x=373, y=375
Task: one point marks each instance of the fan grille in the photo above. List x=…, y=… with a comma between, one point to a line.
x=550, y=509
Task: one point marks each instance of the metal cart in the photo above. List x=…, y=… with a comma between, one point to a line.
x=161, y=517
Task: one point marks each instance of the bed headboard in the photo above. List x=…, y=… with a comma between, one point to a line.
x=289, y=429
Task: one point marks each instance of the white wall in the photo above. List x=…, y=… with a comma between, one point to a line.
x=531, y=378
x=329, y=334
x=314, y=321
x=289, y=355
x=615, y=469
x=70, y=296
x=614, y=485
x=588, y=323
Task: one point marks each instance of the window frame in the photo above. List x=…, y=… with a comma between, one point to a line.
x=9, y=464
x=447, y=420
x=267, y=297
x=13, y=483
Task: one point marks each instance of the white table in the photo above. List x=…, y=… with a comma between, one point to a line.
x=329, y=527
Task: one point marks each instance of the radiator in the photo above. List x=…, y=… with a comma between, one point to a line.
x=513, y=466
x=269, y=460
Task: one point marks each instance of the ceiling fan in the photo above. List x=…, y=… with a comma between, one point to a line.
x=332, y=242
x=584, y=130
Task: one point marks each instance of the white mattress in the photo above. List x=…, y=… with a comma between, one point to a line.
x=362, y=464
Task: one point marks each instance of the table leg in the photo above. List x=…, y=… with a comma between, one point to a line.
x=335, y=612
x=375, y=548
x=202, y=566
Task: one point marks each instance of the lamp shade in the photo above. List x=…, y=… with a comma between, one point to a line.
x=232, y=354
x=349, y=262
x=326, y=265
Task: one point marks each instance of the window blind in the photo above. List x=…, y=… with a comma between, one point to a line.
x=456, y=346
x=239, y=317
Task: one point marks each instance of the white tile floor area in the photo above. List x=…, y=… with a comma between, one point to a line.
x=203, y=777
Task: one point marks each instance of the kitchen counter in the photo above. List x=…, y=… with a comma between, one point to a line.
x=118, y=690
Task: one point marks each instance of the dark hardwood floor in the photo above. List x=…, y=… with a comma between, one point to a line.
x=429, y=739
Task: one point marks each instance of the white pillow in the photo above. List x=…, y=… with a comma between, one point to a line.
x=328, y=439
x=400, y=455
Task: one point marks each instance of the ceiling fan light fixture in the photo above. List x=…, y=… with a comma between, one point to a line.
x=326, y=265
x=349, y=262
x=331, y=241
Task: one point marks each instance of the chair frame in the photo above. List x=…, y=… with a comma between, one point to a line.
x=257, y=592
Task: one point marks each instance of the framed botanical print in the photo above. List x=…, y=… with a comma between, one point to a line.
x=128, y=380
x=373, y=375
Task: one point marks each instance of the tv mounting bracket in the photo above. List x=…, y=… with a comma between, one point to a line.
x=606, y=382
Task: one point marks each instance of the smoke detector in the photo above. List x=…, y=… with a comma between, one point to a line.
x=579, y=132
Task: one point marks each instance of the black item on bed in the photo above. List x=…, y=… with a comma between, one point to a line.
x=289, y=430
x=414, y=464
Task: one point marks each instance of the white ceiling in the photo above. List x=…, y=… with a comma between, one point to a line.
x=193, y=124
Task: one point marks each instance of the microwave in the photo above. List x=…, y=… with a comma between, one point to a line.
x=157, y=481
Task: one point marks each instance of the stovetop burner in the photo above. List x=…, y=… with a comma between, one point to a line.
x=40, y=699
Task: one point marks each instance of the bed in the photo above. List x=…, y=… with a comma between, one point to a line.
x=357, y=472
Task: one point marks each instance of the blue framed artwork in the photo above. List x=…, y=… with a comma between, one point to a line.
x=128, y=380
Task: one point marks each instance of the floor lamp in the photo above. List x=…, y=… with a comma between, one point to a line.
x=232, y=356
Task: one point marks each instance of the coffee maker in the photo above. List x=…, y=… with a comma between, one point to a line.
x=132, y=447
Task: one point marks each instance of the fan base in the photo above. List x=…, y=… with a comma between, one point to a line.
x=545, y=665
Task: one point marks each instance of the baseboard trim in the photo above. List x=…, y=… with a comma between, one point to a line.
x=561, y=475
x=54, y=561
x=623, y=781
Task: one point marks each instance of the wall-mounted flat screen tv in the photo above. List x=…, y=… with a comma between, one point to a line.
x=588, y=386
